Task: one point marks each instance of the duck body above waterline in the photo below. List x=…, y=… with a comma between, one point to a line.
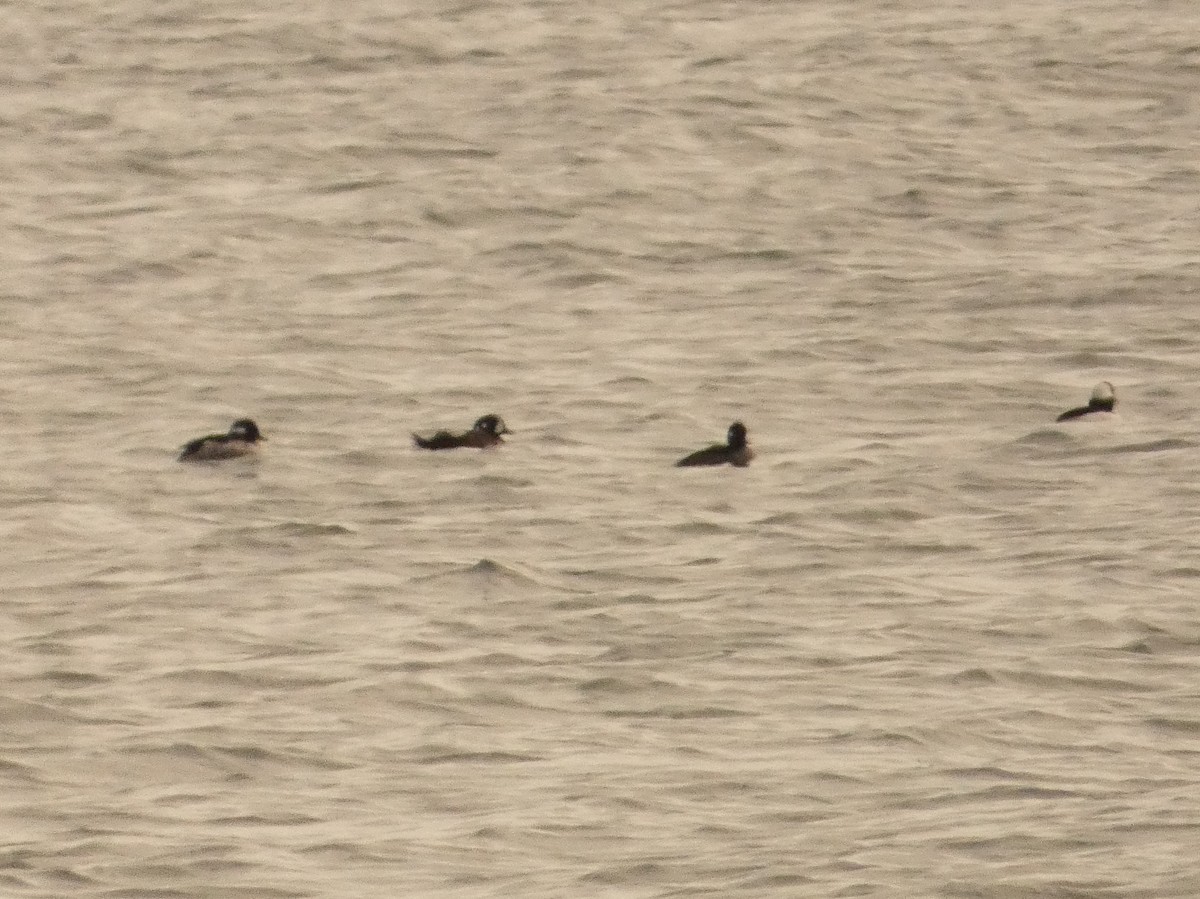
x=242, y=439
x=487, y=431
x=1103, y=399
x=735, y=451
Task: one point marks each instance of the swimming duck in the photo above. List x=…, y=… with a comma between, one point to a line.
x=486, y=432
x=242, y=440
x=1104, y=399
x=736, y=451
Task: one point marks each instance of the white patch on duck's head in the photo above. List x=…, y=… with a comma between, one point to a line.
x=492, y=424
x=1104, y=396
x=245, y=429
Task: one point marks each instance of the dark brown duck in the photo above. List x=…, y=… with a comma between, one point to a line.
x=242, y=439
x=1103, y=399
x=735, y=451
x=486, y=432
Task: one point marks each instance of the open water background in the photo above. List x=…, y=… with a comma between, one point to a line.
x=929, y=644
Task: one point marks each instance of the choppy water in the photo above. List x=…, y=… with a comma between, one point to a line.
x=929, y=644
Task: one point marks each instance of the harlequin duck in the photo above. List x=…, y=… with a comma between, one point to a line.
x=736, y=451
x=242, y=440
x=486, y=432
x=1104, y=399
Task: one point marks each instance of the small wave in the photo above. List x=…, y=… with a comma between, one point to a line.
x=972, y=677
x=351, y=185
x=18, y=713
x=365, y=458
x=680, y=714
x=1045, y=437
x=487, y=578
x=701, y=528
x=577, y=280
x=773, y=254
x=437, y=755
x=1152, y=446
x=1141, y=647
x=628, y=381
x=1176, y=725
x=69, y=679
x=876, y=515
x=311, y=529
x=1071, y=682
x=272, y=536
x=251, y=680
x=496, y=480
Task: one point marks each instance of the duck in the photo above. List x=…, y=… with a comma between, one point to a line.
x=486, y=432
x=735, y=451
x=1103, y=399
x=242, y=439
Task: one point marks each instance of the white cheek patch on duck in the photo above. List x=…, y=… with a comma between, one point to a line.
x=1104, y=396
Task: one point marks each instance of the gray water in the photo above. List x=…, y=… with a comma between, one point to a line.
x=928, y=644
